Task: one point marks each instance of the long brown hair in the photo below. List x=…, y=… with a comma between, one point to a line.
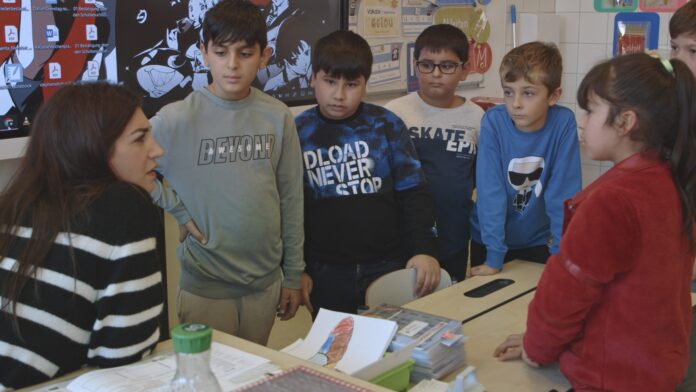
x=65, y=167
x=662, y=95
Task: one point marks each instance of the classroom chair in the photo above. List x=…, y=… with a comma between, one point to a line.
x=397, y=288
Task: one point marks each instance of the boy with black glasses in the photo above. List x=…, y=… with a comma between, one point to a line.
x=444, y=128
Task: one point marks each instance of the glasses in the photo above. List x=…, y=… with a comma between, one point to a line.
x=446, y=67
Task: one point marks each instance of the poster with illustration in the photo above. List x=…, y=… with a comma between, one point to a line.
x=45, y=45
x=661, y=5
x=379, y=18
x=170, y=64
x=386, y=63
x=416, y=15
x=615, y=5
x=152, y=46
x=473, y=21
x=635, y=32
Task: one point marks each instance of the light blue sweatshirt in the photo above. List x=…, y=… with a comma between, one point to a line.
x=522, y=180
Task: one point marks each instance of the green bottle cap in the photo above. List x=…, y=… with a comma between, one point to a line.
x=192, y=338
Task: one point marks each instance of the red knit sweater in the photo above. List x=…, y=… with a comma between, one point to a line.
x=613, y=306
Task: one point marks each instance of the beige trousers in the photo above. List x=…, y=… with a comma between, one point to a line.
x=249, y=317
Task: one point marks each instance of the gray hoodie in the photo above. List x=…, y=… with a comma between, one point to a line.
x=235, y=168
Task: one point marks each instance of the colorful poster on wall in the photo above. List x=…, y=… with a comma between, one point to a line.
x=615, y=5
x=150, y=46
x=456, y=2
x=471, y=20
x=635, y=32
x=480, y=57
x=416, y=15
x=353, y=14
x=47, y=45
x=386, y=65
x=474, y=22
x=411, y=78
x=458, y=16
x=479, y=27
x=380, y=18
x=661, y=5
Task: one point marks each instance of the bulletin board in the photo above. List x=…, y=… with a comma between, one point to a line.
x=391, y=27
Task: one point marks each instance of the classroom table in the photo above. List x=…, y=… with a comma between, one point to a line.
x=282, y=360
x=485, y=333
x=451, y=302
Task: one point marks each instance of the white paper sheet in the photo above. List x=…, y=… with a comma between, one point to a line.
x=368, y=342
x=232, y=367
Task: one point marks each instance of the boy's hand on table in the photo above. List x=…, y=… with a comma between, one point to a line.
x=306, y=285
x=191, y=228
x=427, y=273
x=290, y=300
x=483, y=270
x=513, y=348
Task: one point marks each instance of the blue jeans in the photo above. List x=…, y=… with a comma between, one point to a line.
x=342, y=287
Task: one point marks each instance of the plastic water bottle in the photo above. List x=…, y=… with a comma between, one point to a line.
x=192, y=348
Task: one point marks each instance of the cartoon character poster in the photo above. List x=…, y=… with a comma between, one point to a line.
x=46, y=44
x=151, y=46
x=167, y=64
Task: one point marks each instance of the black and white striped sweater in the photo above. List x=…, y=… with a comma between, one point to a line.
x=103, y=311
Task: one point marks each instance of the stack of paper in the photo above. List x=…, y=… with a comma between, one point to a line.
x=440, y=342
x=345, y=342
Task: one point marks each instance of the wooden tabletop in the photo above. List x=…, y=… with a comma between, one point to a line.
x=452, y=303
x=486, y=333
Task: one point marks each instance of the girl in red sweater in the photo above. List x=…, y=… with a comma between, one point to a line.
x=613, y=306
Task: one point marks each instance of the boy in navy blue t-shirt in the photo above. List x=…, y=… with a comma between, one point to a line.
x=367, y=210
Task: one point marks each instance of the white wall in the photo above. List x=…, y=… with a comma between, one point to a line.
x=10, y=151
x=586, y=38
x=7, y=169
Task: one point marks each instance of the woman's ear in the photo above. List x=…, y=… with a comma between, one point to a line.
x=626, y=121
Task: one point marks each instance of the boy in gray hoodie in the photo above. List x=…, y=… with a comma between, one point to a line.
x=233, y=160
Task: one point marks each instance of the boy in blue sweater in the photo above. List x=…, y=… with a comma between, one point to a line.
x=528, y=163
x=367, y=208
